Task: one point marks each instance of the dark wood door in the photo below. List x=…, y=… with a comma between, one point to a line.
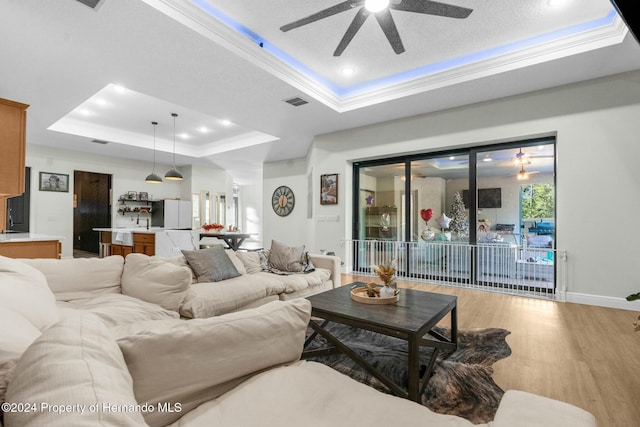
x=18, y=207
x=92, y=208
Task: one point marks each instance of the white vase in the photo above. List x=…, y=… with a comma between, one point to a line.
x=387, y=292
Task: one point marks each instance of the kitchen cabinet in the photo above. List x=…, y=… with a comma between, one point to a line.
x=31, y=249
x=144, y=244
x=13, y=116
x=122, y=250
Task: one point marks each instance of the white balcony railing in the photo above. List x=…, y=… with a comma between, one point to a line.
x=501, y=267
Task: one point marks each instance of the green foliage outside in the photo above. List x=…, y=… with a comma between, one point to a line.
x=538, y=200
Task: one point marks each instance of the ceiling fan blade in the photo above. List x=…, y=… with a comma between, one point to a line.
x=432, y=8
x=355, y=25
x=333, y=10
x=390, y=30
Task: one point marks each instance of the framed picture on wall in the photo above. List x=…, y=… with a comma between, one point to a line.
x=50, y=181
x=143, y=195
x=329, y=189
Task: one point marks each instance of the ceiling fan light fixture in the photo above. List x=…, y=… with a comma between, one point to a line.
x=522, y=175
x=173, y=174
x=153, y=178
x=375, y=6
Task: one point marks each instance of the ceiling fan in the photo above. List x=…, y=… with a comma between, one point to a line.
x=382, y=11
x=523, y=175
x=524, y=158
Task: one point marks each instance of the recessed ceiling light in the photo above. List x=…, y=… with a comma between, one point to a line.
x=375, y=6
x=184, y=135
x=100, y=101
x=452, y=157
x=348, y=71
x=226, y=122
x=119, y=89
x=204, y=129
x=84, y=112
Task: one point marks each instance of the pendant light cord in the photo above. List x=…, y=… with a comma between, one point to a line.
x=174, y=139
x=154, y=145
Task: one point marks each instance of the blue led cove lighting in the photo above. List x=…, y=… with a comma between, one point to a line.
x=404, y=76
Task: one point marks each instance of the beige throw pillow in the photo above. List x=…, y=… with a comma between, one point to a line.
x=286, y=258
x=78, y=363
x=155, y=280
x=194, y=361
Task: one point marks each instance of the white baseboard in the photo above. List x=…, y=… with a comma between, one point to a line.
x=603, y=301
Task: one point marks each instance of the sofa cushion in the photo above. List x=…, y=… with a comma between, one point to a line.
x=522, y=409
x=78, y=363
x=77, y=278
x=24, y=290
x=117, y=309
x=287, y=258
x=211, y=264
x=214, y=299
x=316, y=396
x=254, y=262
x=16, y=334
x=181, y=261
x=236, y=261
x=155, y=280
x=191, y=362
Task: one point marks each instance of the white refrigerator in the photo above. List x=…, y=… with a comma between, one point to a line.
x=171, y=214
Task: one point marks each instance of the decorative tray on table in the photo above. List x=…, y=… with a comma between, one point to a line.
x=361, y=294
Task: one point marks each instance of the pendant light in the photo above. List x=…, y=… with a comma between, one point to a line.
x=173, y=174
x=153, y=177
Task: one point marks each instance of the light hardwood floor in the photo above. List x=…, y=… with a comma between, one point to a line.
x=586, y=355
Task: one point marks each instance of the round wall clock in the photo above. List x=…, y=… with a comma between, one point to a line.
x=283, y=200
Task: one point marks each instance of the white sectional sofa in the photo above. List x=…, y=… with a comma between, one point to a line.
x=81, y=364
x=107, y=285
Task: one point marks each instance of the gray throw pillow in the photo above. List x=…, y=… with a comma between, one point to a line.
x=286, y=258
x=211, y=264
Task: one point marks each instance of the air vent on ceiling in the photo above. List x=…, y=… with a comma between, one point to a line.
x=91, y=3
x=296, y=101
x=99, y=141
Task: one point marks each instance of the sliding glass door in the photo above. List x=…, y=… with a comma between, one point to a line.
x=482, y=216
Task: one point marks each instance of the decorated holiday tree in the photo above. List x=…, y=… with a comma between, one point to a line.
x=459, y=223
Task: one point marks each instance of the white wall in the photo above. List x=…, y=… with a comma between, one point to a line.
x=291, y=229
x=252, y=207
x=52, y=213
x=598, y=179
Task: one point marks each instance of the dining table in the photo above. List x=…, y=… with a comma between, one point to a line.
x=231, y=238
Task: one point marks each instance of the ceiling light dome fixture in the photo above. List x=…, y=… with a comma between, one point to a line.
x=153, y=178
x=173, y=174
x=375, y=6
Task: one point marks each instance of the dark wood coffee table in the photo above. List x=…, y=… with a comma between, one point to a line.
x=412, y=319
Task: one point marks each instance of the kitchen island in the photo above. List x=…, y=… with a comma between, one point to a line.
x=166, y=243
x=30, y=245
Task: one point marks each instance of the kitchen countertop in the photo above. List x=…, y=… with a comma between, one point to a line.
x=26, y=237
x=151, y=230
